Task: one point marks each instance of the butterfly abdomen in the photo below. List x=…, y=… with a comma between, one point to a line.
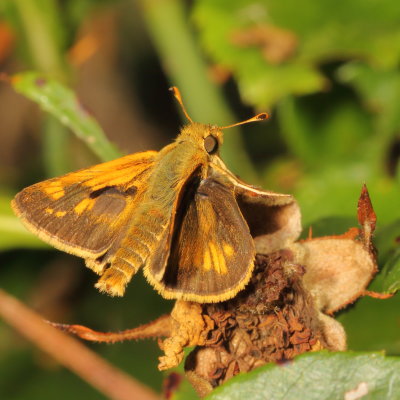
x=140, y=241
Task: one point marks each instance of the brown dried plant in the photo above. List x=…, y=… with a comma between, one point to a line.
x=285, y=310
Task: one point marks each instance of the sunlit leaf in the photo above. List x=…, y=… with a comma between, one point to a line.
x=282, y=46
x=391, y=273
x=318, y=376
x=12, y=233
x=61, y=102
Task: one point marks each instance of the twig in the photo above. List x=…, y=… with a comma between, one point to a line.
x=377, y=295
x=113, y=383
x=161, y=327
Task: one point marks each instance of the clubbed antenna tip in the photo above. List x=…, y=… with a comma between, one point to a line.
x=177, y=95
x=258, y=117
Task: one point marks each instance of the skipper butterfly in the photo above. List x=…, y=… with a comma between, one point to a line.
x=175, y=213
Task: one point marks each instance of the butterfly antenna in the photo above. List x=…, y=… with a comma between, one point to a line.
x=178, y=97
x=258, y=117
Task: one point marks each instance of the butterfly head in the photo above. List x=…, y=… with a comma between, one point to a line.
x=209, y=137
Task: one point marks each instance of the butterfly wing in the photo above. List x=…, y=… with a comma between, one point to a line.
x=84, y=212
x=212, y=252
x=274, y=219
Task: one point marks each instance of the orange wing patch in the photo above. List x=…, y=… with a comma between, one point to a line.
x=218, y=260
x=227, y=249
x=84, y=205
x=84, y=212
x=54, y=190
x=212, y=251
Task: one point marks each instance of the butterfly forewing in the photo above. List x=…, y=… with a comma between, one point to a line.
x=212, y=252
x=177, y=213
x=84, y=212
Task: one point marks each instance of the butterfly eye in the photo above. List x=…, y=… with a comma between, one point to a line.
x=211, y=144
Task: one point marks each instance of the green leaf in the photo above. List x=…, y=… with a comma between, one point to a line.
x=12, y=232
x=380, y=90
x=334, y=191
x=173, y=39
x=260, y=82
x=369, y=324
x=329, y=226
x=338, y=129
x=178, y=384
x=62, y=103
x=325, y=31
x=318, y=376
x=185, y=391
x=391, y=274
x=387, y=240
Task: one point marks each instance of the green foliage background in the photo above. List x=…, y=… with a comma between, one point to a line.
x=335, y=106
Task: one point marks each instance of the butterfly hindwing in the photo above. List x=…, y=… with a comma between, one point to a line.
x=212, y=252
x=84, y=212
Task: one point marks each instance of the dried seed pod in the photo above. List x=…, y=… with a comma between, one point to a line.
x=273, y=319
x=281, y=312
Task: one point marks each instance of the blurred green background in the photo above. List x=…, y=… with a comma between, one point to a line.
x=327, y=71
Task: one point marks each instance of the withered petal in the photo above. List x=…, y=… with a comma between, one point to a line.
x=337, y=270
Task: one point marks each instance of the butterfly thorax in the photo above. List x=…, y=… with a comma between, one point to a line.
x=177, y=162
x=176, y=167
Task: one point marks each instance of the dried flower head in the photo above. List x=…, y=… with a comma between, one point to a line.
x=284, y=311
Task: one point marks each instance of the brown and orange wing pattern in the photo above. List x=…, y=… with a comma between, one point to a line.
x=85, y=212
x=212, y=253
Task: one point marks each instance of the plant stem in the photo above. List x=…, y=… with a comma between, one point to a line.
x=184, y=64
x=106, y=378
x=41, y=23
